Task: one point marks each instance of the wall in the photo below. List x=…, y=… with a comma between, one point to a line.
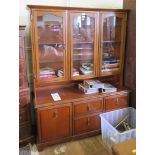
x=24, y=18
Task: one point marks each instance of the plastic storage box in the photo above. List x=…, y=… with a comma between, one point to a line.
x=109, y=120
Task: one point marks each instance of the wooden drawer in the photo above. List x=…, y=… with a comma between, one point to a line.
x=24, y=114
x=24, y=131
x=116, y=102
x=89, y=106
x=86, y=124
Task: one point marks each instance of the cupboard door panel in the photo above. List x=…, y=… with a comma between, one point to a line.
x=112, y=40
x=51, y=45
x=87, y=107
x=55, y=123
x=86, y=124
x=83, y=44
x=116, y=102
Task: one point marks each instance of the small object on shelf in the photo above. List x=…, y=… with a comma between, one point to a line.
x=55, y=96
x=110, y=64
x=108, y=88
x=50, y=50
x=87, y=66
x=75, y=72
x=60, y=72
x=85, y=72
x=87, y=90
x=93, y=83
x=47, y=72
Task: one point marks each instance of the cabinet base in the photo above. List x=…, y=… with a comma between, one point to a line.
x=42, y=146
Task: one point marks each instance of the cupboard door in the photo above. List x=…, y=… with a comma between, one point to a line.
x=55, y=123
x=86, y=124
x=83, y=44
x=50, y=30
x=112, y=43
x=116, y=102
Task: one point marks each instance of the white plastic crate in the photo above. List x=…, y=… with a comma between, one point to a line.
x=110, y=119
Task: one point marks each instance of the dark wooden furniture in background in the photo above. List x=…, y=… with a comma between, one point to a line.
x=25, y=133
x=130, y=58
x=63, y=39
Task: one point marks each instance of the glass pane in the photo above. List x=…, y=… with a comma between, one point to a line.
x=83, y=44
x=51, y=46
x=111, y=44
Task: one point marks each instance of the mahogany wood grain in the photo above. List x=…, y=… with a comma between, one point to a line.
x=88, y=106
x=55, y=122
x=76, y=115
x=86, y=124
x=116, y=102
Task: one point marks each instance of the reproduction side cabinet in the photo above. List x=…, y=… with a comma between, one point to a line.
x=69, y=45
x=25, y=133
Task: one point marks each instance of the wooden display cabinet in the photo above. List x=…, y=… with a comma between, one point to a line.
x=69, y=45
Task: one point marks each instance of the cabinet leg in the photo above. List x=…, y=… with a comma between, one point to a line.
x=40, y=147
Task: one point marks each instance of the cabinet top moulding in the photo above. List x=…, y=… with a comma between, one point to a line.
x=42, y=7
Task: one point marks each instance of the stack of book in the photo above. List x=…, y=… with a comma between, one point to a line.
x=86, y=68
x=46, y=73
x=108, y=88
x=90, y=86
x=75, y=72
x=60, y=72
x=110, y=64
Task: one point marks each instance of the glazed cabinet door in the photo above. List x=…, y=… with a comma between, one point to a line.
x=112, y=43
x=50, y=49
x=83, y=44
x=55, y=123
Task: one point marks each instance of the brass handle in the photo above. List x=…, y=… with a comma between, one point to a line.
x=88, y=121
x=55, y=114
x=117, y=101
x=88, y=107
x=20, y=118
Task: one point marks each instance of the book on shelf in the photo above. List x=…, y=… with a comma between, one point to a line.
x=93, y=83
x=110, y=69
x=60, y=72
x=87, y=66
x=85, y=71
x=110, y=60
x=47, y=72
x=87, y=90
x=75, y=72
x=109, y=88
x=113, y=65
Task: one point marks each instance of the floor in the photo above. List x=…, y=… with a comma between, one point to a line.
x=88, y=146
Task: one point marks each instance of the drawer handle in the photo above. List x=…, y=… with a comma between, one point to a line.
x=88, y=108
x=117, y=101
x=55, y=114
x=88, y=121
x=20, y=118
